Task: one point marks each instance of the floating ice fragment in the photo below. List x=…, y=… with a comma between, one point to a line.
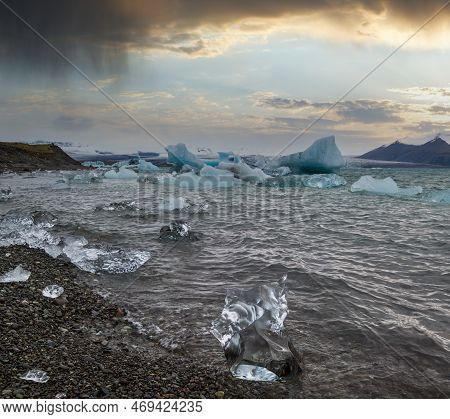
x=18, y=274
x=37, y=376
x=216, y=177
x=323, y=181
x=252, y=334
x=177, y=230
x=52, y=291
x=440, y=196
x=386, y=186
x=93, y=164
x=123, y=173
x=323, y=156
x=172, y=204
x=5, y=194
x=146, y=166
x=244, y=172
x=179, y=155
x=118, y=206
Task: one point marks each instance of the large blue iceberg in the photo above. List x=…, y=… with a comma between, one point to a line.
x=179, y=156
x=323, y=156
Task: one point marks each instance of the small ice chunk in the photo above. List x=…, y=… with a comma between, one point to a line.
x=5, y=194
x=123, y=173
x=37, y=376
x=254, y=373
x=146, y=166
x=252, y=334
x=324, y=181
x=52, y=291
x=386, y=186
x=177, y=230
x=172, y=204
x=18, y=274
x=118, y=206
x=179, y=155
x=440, y=196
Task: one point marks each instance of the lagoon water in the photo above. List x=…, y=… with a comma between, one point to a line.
x=368, y=275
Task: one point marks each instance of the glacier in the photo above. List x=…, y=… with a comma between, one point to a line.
x=323, y=181
x=323, y=156
x=179, y=155
x=18, y=274
x=252, y=334
x=386, y=186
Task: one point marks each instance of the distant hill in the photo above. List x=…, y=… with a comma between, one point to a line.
x=434, y=152
x=20, y=157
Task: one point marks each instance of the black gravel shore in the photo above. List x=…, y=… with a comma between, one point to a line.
x=87, y=346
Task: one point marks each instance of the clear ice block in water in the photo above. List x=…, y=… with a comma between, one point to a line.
x=252, y=334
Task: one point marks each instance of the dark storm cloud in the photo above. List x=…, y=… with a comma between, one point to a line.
x=98, y=32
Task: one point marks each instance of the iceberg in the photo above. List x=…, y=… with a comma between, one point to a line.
x=216, y=177
x=18, y=274
x=386, y=186
x=244, y=172
x=252, y=333
x=37, y=376
x=179, y=155
x=53, y=291
x=85, y=177
x=440, y=196
x=323, y=181
x=122, y=173
x=146, y=166
x=323, y=156
x=96, y=164
x=177, y=230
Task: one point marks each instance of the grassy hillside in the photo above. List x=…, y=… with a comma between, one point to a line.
x=26, y=157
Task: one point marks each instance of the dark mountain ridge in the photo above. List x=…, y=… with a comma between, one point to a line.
x=434, y=152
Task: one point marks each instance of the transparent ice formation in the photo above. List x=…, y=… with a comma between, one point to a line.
x=179, y=155
x=37, y=376
x=53, y=291
x=323, y=156
x=172, y=204
x=323, y=181
x=177, y=230
x=5, y=194
x=146, y=166
x=118, y=206
x=386, y=186
x=123, y=174
x=35, y=230
x=18, y=274
x=252, y=334
x=440, y=196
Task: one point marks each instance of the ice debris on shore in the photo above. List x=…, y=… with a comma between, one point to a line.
x=386, y=186
x=5, y=194
x=123, y=173
x=53, y=291
x=37, y=376
x=177, y=230
x=323, y=181
x=18, y=274
x=35, y=230
x=252, y=334
x=323, y=156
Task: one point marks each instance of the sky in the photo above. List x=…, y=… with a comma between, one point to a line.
x=246, y=76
